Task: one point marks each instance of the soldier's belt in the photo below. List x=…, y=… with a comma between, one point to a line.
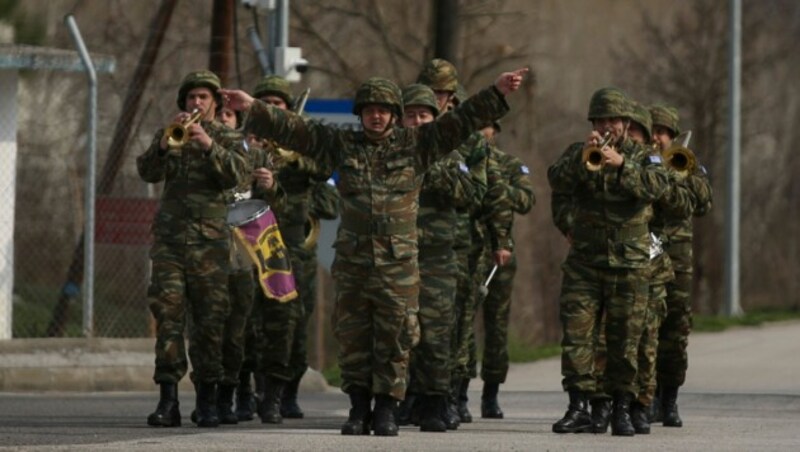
x=435, y=250
x=598, y=234
x=378, y=227
x=180, y=209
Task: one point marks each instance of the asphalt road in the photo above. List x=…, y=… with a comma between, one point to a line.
x=743, y=394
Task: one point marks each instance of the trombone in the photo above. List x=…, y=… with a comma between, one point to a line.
x=177, y=133
x=593, y=157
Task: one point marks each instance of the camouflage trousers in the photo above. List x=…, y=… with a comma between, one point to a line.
x=279, y=322
x=307, y=291
x=586, y=292
x=648, y=347
x=465, y=307
x=673, y=335
x=496, y=311
x=430, y=359
x=253, y=335
x=241, y=285
x=189, y=280
x=375, y=323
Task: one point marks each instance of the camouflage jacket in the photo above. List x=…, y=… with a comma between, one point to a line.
x=297, y=179
x=512, y=192
x=324, y=202
x=607, y=212
x=196, y=185
x=474, y=152
x=447, y=185
x=379, y=182
x=677, y=224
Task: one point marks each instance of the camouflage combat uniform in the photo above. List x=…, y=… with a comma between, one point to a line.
x=513, y=195
x=376, y=268
x=607, y=268
x=191, y=252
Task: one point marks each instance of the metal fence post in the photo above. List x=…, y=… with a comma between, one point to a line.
x=91, y=176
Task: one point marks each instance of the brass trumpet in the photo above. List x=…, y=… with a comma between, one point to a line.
x=593, y=157
x=312, y=233
x=680, y=159
x=176, y=133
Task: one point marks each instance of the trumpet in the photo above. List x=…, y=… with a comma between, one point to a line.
x=176, y=133
x=312, y=233
x=680, y=159
x=593, y=157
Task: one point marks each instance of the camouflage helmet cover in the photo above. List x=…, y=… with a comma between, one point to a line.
x=199, y=79
x=422, y=95
x=609, y=103
x=274, y=85
x=666, y=117
x=378, y=90
x=440, y=75
x=641, y=115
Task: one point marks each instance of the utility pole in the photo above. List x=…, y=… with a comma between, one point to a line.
x=219, y=59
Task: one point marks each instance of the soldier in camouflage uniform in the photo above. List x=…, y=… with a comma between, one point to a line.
x=673, y=336
x=446, y=185
x=442, y=77
x=283, y=362
x=376, y=269
x=512, y=192
x=604, y=214
x=241, y=283
x=191, y=252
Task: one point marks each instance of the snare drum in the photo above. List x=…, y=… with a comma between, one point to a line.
x=243, y=212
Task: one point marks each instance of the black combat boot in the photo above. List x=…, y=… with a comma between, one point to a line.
x=289, y=407
x=260, y=387
x=206, y=405
x=463, y=406
x=358, y=423
x=245, y=400
x=432, y=414
x=167, y=413
x=451, y=418
x=621, y=424
x=383, y=423
x=489, y=406
x=270, y=410
x=406, y=409
x=640, y=418
x=601, y=414
x=669, y=407
x=225, y=404
x=577, y=418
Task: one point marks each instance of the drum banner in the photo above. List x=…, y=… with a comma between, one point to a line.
x=264, y=244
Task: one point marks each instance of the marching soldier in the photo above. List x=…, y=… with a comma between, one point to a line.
x=673, y=336
x=376, y=269
x=191, y=251
x=512, y=193
x=611, y=184
x=446, y=185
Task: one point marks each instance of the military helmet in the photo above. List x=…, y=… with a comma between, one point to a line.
x=274, y=85
x=419, y=94
x=666, y=117
x=641, y=115
x=199, y=79
x=440, y=75
x=378, y=90
x=609, y=103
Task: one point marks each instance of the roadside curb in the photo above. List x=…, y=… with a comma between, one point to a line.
x=90, y=365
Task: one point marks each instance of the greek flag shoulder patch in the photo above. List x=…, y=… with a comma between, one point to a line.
x=655, y=159
x=463, y=167
x=525, y=169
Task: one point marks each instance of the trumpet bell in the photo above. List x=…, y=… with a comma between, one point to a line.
x=680, y=159
x=312, y=234
x=178, y=133
x=593, y=158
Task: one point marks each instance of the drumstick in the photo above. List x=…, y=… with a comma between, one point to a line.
x=484, y=289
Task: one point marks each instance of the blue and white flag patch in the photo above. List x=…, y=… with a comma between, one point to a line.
x=463, y=167
x=654, y=159
x=525, y=169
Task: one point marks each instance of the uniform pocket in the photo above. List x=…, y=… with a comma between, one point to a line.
x=400, y=174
